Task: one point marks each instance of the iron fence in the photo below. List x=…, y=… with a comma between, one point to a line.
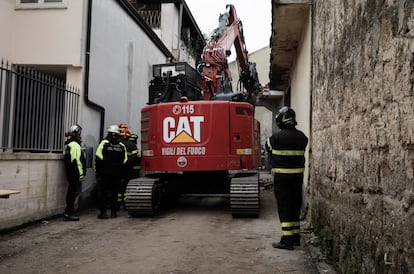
x=35, y=109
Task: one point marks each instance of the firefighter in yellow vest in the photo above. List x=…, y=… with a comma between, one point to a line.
x=75, y=166
x=287, y=155
x=111, y=156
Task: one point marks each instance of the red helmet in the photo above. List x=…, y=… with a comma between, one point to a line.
x=125, y=132
x=122, y=126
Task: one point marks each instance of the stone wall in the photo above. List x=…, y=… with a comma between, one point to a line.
x=362, y=135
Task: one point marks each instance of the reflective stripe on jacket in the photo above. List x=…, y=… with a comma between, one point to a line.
x=75, y=162
x=110, y=157
x=287, y=151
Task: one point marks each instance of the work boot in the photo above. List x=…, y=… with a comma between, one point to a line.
x=70, y=217
x=103, y=215
x=281, y=245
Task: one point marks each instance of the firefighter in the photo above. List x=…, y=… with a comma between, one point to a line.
x=75, y=166
x=287, y=150
x=111, y=155
x=122, y=128
x=127, y=172
x=136, y=157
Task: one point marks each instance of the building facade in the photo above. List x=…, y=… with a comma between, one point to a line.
x=103, y=52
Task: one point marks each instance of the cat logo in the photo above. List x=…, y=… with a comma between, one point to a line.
x=185, y=130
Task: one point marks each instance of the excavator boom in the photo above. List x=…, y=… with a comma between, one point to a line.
x=216, y=82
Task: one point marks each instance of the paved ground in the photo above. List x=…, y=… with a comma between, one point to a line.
x=198, y=235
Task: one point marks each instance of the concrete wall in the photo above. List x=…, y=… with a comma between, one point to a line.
x=362, y=159
x=42, y=188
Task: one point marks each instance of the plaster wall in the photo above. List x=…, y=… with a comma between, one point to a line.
x=36, y=40
x=6, y=8
x=301, y=89
x=169, y=27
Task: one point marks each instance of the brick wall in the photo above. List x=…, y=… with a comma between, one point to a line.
x=362, y=136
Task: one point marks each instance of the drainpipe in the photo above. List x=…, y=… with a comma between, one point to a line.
x=180, y=24
x=88, y=102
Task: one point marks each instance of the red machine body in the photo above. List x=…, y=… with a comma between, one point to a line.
x=200, y=136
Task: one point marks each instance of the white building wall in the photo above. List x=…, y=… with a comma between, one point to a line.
x=301, y=88
x=300, y=83
x=169, y=27
x=6, y=16
x=44, y=36
x=120, y=69
x=170, y=35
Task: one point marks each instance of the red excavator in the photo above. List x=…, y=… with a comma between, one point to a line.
x=197, y=135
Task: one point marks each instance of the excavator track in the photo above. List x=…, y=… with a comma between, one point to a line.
x=143, y=196
x=245, y=196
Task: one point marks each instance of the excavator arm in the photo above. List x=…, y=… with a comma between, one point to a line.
x=216, y=82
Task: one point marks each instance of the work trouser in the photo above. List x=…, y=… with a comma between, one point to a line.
x=74, y=189
x=288, y=193
x=108, y=186
x=121, y=191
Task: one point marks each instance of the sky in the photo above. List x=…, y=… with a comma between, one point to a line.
x=254, y=15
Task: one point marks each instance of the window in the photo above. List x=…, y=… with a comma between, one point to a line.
x=40, y=4
x=35, y=110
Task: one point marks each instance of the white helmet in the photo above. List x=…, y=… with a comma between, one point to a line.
x=113, y=129
x=74, y=131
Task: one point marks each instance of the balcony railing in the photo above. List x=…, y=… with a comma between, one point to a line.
x=152, y=17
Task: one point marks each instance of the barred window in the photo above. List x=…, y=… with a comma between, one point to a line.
x=35, y=110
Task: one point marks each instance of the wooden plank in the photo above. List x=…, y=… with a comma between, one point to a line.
x=5, y=193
